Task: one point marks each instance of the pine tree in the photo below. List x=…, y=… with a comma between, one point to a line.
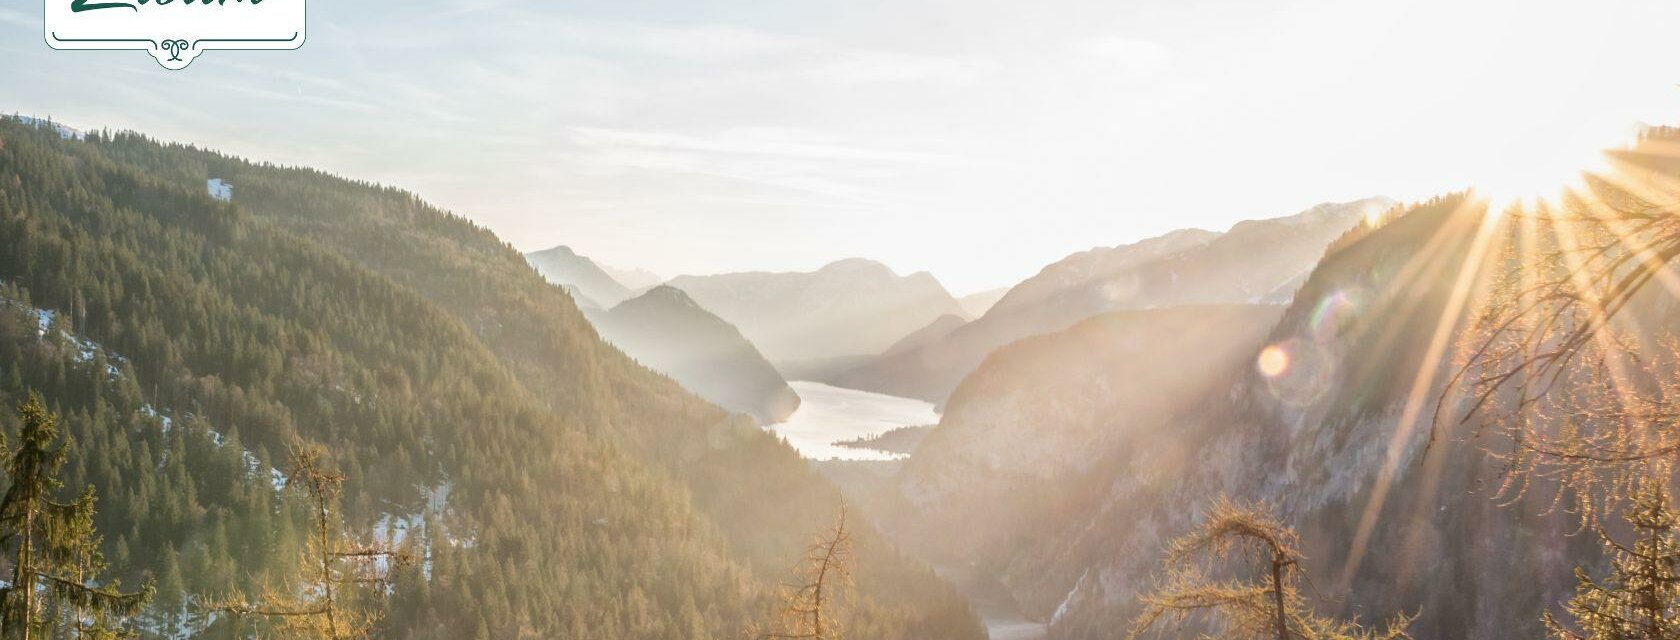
x=84, y=562
x=1641, y=598
x=334, y=568
x=1259, y=600
x=56, y=549
x=172, y=593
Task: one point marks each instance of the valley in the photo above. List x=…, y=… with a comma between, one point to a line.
x=1408, y=409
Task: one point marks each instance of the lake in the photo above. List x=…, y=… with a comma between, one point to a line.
x=829, y=414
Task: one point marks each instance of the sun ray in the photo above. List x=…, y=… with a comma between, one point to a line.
x=1421, y=268
x=1620, y=378
x=1561, y=323
x=1422, y=383
x=1644, y=191
x=1632, y=433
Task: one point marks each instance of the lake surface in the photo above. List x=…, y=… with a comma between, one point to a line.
x=829, y=414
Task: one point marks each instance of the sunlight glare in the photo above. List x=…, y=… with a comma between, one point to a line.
x=1545, y=172
x=1373, y=216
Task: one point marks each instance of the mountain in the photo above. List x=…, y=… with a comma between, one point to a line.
x=664, y=329
x=1094, y=267
x=847, y=308
x=1312, y=438
x=1071, y=463
x=564, y=267
x=552, y=486
x=633, y=279
x=977, y=304
x=668, y=332
x=933, y=332
x=584, y=303
x=1034, y=418
x=1255, y=262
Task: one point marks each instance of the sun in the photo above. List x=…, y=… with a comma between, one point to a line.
x=1544, y=170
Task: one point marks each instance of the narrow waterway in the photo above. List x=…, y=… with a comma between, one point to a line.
x=829, y=414
x=994, y=604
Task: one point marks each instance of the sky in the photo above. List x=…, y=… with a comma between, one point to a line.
x=976, y=139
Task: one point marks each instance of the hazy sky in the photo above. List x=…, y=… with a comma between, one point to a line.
x=977, y=139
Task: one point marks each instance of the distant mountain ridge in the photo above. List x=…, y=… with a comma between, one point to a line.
x=667, y=331
x=847, y=308
x=1080, y=268
x=633, y=279
x=579, y=275
x=933, y=332
x=977, y=304
x=1255, y=262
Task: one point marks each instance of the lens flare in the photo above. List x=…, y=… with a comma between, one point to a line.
x=1273, y=361
x=1298, y=371
x=1334, y=312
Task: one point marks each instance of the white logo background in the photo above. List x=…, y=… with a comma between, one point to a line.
x=176, y=32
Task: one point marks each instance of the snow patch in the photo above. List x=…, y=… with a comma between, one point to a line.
x=85, y=348
x=253, y=465
x=220, y=189
x=64, y=132
x=1062, y=609
x=394, y=529
x=85, y=351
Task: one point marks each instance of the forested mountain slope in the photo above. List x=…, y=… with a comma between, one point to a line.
x=1314, y=440
x=1335, y=438
x=586, y=496
x=1026, y=428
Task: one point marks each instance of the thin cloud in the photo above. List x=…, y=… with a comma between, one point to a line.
x=19, y=19
x=757, y=142
x=879, y=66
x=1132, y=55
x=701, y=41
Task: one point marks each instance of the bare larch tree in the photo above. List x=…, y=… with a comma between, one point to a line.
x=1554, y=364
x=1239, y=571
x=336, y=570
x=810, y=601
